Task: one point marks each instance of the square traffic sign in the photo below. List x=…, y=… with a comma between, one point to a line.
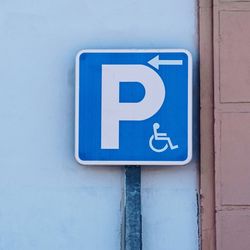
x=133, y=107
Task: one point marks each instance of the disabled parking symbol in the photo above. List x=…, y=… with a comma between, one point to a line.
x=157, y=136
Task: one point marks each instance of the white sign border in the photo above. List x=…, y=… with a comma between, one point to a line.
x=190, y=108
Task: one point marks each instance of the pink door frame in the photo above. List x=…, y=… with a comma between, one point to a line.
x=207, y=178
x=224, y=40
x=231, y=39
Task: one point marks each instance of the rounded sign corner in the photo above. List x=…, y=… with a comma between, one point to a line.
x=188, y=159
x=187, y=52
x=78, y=159
x=80, y=52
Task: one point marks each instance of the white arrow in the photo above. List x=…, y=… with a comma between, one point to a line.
x=156, y=62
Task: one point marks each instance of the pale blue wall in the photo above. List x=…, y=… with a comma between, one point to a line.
x=47, y=200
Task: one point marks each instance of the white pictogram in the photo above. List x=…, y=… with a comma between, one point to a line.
x=160, y=137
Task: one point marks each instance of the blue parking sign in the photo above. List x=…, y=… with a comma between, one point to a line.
x=133, y=107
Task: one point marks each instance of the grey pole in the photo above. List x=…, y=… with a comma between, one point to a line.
x=132, y=222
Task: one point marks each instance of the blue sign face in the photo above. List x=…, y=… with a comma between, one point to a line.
x=134, y=107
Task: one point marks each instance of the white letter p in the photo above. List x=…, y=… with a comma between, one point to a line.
x=114, y=111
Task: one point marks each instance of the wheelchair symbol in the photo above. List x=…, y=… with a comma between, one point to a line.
x=160, y=137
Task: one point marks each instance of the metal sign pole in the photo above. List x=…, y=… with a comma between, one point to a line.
x=132, y=226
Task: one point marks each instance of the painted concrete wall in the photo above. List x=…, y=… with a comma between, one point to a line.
x=48, y=201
